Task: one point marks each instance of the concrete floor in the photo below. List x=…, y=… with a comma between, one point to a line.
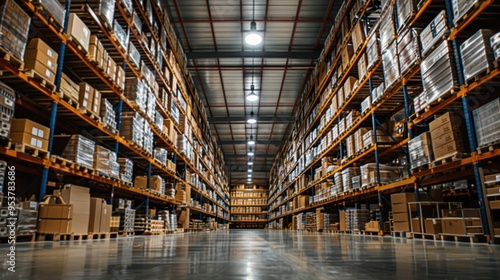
x=253, y=255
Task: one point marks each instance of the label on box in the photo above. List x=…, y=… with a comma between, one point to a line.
x=50, y=64
x=48, y=73
x=33, y=142
x=498, y=177
x=34, y=131
x=50, y=53
x=33, y=204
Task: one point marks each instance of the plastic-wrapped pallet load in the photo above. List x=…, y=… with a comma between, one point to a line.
x=7, y=101
x=132, y=127
x=160, y=154
x=495, y=45
x=55, y=9
x=439, y=72
x=409, y=49
x=148, y=139
x=390, y=61
x=372, y=51
x=113, y=166
x=406, y=10
x=386, y=29
x=134, y=55
x=126, y=169
x=14, y=26
x=347, y=174
x=101, y=160
x=433, y=33
x=477, y=56
x=80, y=150
x=135, y=91
x=462, y=7
x=121, y=35
x=108, y=114
x=150, y=104
x=420, y=150
x=487, y=123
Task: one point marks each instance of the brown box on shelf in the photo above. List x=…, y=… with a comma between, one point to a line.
x=448, y=149
x=495, y=190
x=38, y=45
x=69, y=87
x=495, y=204
x=496, y=231
x=29, y=205
x=78, y=31
x=492, y=178
x=474, y=225
x=41, y=69
x=402, y=226
x=347, y=55
x=106, y=211
x=33, y=55
x=399, y=208
x=433, y=226
x=444, y=119
x=54, y=226
x=30, y=127
x=95, y=214
x=453, y=226
x=96, y=50
x=120, y=77
x=416, y=226
x=447, y=128
x=86, y=96
x=342, y=217
x=96, y=102
x=402, y=198
x=111, y=68
x=79, y=197
x=30, y=140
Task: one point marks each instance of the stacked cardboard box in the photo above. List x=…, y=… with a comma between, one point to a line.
x=79, y=197
x=41, y=58
x=132, y=127
x=135, y=91
x=70, y=88
x=79, y=32
x=347, y=175
x=80, y=150
x=372, y=226
x=30, y=133
x=387, y=174
x=7, y=101
x=14, y=27
x=446, y=135
x=400, y=211
x=55, y=216
x=100, y=216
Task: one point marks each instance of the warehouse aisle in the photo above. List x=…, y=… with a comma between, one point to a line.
x=255, y=254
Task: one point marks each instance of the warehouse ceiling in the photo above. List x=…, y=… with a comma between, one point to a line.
x=224, y=67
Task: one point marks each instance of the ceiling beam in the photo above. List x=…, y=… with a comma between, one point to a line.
x=260, y=119
x=251, y=54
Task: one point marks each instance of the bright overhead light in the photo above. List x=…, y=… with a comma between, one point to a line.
x=251, y=154
x=250, y=171
x=253, y=38
x=250, y=163
x=249, y=175
x=251, y=142
x=249, y=179
x=252, y=96
x=252, y=119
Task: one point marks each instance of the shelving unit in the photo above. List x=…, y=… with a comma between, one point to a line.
x=307, y=165
x=201, y=166
x=248, y=206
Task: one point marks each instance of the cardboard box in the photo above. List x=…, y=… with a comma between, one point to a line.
x=402, y=198
x=95, y=50
x=416, y=226
x=96, y=102
x=111, y=67
x=29, y=205
x=493, y=190
x=79, y=197
x=32, y=56
x=140, y=182
x=31, y=127
x=445, y=138
x=55, y=211
x=492, y=178
x=433, y=226
x=79, y=31
x=402, y=226
x=86, y=96
x=448, y=149
x=41, y=69
x=495, y=204
x=496, y=231
x=54, y=226
x=30, y=140
x=95, y=214
x=400, y=217
x=106, y=212
x=453, y=226
x=442, y=120
x=474, y=225
x=342, y=216
x=40, y=46
x=448, y=127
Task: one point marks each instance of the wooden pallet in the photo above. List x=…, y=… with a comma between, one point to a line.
x=77, y=44
x=59, y=237
x=489, y=148
x=89, y=113
x=477, y=77
x=126, y=233
x=100, y=235
x=18, y=238
x=496, y=63
x=37, y=77
x=469, y=13
x=448, y=159
x=441, y=98
x=371, y=233
x=408, y=70
x=33, y=151
x=68, y=98
x=152, y=233
x=49, y=17
x=428, y=236
x=14, y=61
x=463, y=238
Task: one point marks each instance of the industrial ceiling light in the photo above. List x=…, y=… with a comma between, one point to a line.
x=250, y=163
x=251, y=153
x=249, y=175
x=253, y=37
x=252, y=96
x=251, y=142
x=250, y=171
x=252, y=119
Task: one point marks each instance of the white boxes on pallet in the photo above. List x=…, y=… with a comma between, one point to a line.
x=487, y=123
x=372, y=51
x=462, y=7
x=80, y=150
x=390, y=61
x=433, y=33
x=439, y=72
x=408, y=49
x=420, y=149
x=386, y=29
x=495, y=45
x=477, y=56
x=406, y=10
